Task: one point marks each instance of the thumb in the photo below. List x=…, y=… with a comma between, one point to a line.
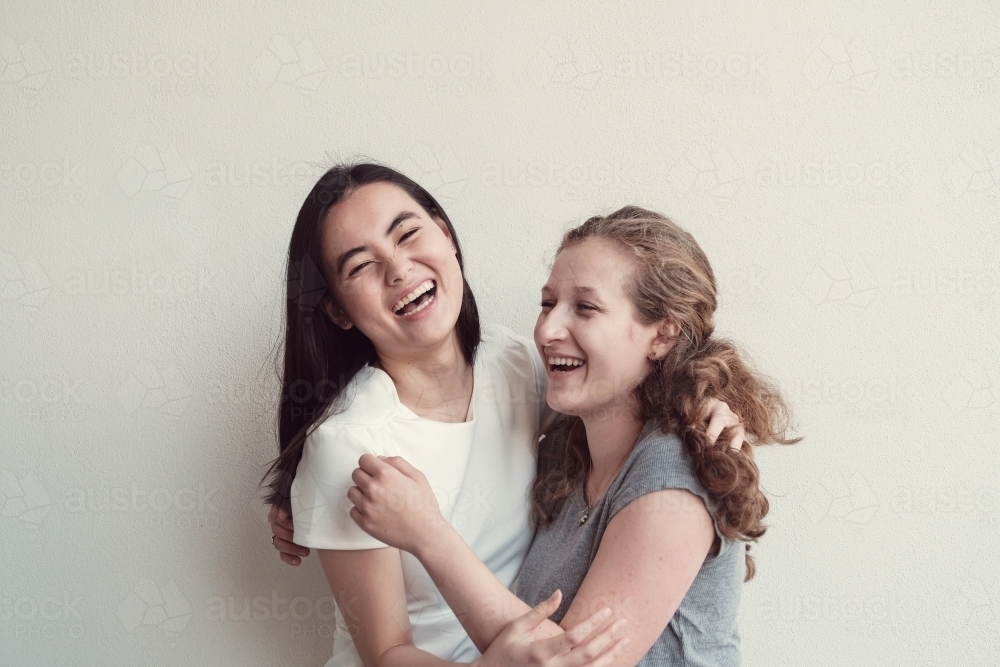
x=537, y=614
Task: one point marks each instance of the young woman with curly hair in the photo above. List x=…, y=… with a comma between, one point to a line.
x=635, y=508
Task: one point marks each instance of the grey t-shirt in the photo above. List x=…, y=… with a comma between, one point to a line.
x=703, y=630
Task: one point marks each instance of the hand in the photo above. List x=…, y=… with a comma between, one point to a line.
x=281, y=528
x=394, y=503
x=591, y=643
x=720, y=417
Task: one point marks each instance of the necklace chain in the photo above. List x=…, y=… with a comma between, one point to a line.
x=590, y=505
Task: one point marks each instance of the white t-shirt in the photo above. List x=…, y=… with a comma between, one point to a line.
x=481, y=471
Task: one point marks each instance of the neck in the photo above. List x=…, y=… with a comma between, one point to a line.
x=436, y=383
x=610, y=439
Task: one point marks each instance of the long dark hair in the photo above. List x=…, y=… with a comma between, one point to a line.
x=320, y=358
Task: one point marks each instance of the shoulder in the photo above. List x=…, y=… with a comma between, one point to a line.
x=658, y=463
x=500, y=343
x=512, y=355
x=369, y=398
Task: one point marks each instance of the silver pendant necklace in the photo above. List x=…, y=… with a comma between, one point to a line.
x=586, y=514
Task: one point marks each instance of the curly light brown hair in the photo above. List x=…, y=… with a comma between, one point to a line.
x=672, y=280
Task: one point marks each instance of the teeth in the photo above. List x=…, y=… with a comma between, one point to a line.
x=564, y=361
x=421, y=288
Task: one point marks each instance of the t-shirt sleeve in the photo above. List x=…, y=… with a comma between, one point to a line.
x=320, y=507
x=659, y=464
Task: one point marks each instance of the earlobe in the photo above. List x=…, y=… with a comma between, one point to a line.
x=334, y=312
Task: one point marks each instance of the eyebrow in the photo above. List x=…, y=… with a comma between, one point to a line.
x=396, y=222
x=583, y=289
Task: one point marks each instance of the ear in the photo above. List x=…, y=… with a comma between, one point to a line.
x=666, y=336
x=335, y=312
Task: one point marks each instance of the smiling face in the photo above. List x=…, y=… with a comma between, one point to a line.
x=393, y=270
x=595, y=350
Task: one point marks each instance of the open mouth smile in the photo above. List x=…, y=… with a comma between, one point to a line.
x=417, y=300
x=564, y=364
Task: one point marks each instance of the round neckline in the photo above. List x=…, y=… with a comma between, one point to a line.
x=402, y=407
x=646, y=431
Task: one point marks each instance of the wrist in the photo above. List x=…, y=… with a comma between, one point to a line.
x=436, y=535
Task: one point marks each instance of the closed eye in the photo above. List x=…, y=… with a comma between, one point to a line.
x=358, y=268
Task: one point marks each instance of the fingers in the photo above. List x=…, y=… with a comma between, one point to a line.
x=587, y=653
x=739, y=435
x=371, y=465
x=537, y=614
x=291, y=560
x=608, y=657
x=403, y=466
x=357, y=498
x=577, y=634
x=720, y=418
x=289, y=548
x=278, y=516
x=282, y=532
x=362, y=479
x=281, y=529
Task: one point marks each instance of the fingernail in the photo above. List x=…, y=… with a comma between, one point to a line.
x=604, y=613
x=295, y=561
x=303, y=552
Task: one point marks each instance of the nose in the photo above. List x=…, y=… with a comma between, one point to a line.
x=398, y=267
x=550, y=327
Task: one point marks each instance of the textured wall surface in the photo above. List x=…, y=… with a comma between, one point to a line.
x=839, y=163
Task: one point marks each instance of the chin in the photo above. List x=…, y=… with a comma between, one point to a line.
x=561, y=404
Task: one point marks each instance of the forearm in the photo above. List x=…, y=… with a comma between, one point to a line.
x=482, y=604
x=408, y=655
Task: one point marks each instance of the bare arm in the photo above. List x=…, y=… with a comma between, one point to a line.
x=652, y=551
x=394, y=503
x=368, y=587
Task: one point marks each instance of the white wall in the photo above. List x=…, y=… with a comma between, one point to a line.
x=839, y=163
